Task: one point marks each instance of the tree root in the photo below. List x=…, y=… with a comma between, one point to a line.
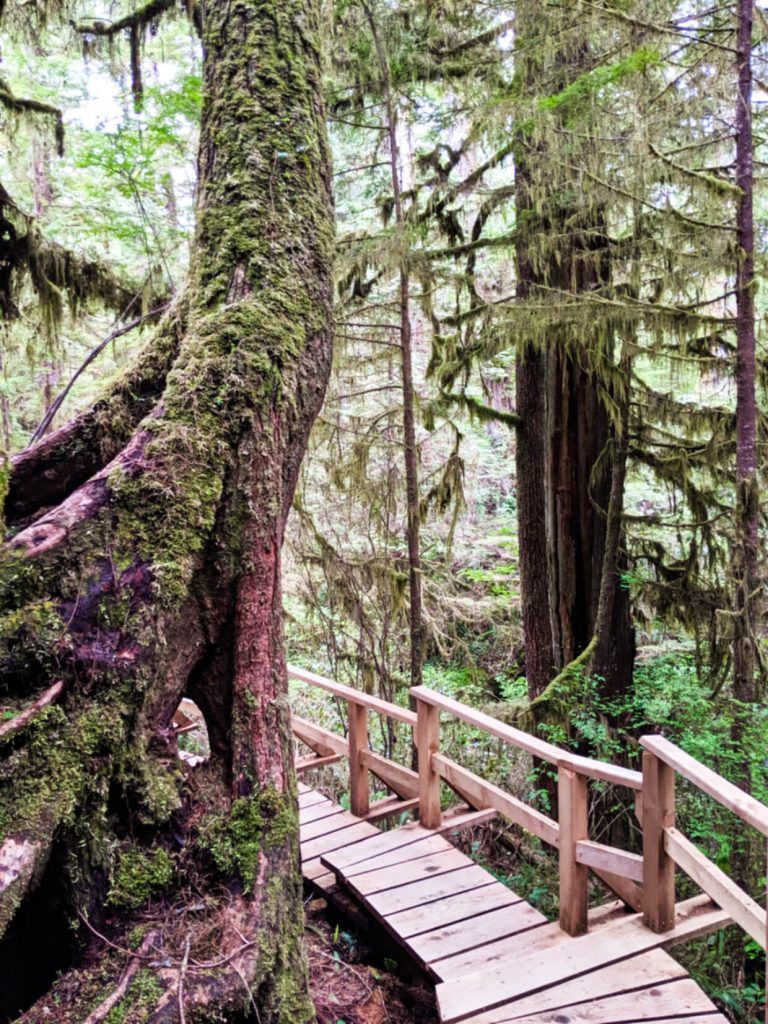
x=130, y=972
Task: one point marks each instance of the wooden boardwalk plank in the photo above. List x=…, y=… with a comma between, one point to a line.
x=434, y=946
x=655, y=968
x=316, y=811
x=393, y=876
x=336, y=840
x=683, y=996
x=430, y=890
x=384, y=842
x=540, y=970
x=399, y=855
x=461, y=907
x=309, y=797
x=330, y=823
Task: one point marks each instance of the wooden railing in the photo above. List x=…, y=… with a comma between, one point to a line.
x=645, y=883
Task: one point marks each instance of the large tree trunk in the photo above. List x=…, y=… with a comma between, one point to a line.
x=564, y=444
x=157, y=575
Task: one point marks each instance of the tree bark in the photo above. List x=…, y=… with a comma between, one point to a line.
x=564, y=465
x=747, y=498
x=156, y=574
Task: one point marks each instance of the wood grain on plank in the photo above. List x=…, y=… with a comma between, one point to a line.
x=336, y=840
x=430, y=890
x=382, y=878
x=516, y=976
x=637, y=973
x=460, y=907
x=433, y=946
x=678, y=997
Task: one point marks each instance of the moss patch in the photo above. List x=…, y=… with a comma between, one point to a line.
x=138, y=875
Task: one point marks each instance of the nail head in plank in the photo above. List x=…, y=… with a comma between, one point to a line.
x=381, y=879
x=519, y=976
x=433, y=946
x=653, y=968
x=681, y=997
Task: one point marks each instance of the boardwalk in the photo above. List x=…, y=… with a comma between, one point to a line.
x=492, y=957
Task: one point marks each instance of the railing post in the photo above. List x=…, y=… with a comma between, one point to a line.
x=658, y=866
x=574, y=877
x=427, y=744
x=359, y=793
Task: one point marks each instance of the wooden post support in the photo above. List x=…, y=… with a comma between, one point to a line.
x=359, y=793
x=427, y=744
x=574, y=877
x=658, y=866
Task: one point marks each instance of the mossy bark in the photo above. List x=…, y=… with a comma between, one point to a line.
x=159, y=574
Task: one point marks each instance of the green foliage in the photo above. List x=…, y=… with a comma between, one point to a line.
x=139, y=874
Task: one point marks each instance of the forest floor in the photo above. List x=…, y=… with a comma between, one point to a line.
x=350, y=983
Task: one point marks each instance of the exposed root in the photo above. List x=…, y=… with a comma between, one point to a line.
x=20, y=721
x=130, y=972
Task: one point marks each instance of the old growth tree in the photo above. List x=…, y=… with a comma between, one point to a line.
x=143, y=564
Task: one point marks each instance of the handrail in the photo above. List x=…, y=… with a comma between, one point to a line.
x=349, y=693
x=726, y=793
x=664, y=846
x=531, y=744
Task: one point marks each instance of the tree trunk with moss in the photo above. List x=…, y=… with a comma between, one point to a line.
x=565, y=439
x=144, y=566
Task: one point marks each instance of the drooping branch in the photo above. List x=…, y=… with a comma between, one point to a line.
x=21, y=105
x=136, y=25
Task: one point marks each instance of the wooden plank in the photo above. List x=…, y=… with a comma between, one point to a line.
x=317, y=738
x=658, y=866
x=610, y=860
x=574, y=877
x=389, y=806
x=413, y=832
x=403, y=781
x=655, y=968
x=319, y=810
x=461, y=907
x=428, y=744
x=628, y=892
x=425, y=847
x=343, y=837
x=352, y=695
x=483, y=794
x=682, y=998
x=433, y=946
x=742, y=804
x=531, y=744
x=745, y=912
x=308, y=796
x=543, y=936
x=516, y=976
x=416, y=894
x=384, y=842
x=305, y=764
x=359, y=788
x=325, y=826
x=390, y=877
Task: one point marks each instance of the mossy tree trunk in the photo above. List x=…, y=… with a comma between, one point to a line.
x=565, y=439
x=146, y=567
